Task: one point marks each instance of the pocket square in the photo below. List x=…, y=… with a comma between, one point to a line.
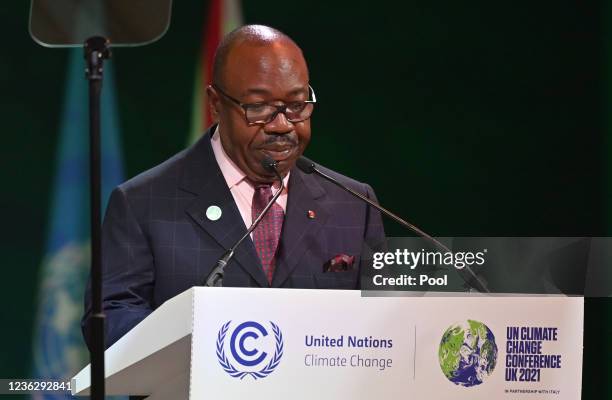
x=339, y=263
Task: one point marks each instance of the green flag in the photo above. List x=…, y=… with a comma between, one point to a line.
x=223, y=16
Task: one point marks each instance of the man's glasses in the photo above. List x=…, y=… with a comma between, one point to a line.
x=263, y=113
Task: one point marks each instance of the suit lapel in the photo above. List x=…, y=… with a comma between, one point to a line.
x=298, y=229
x=202, y=177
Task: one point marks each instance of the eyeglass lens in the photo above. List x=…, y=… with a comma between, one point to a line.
x=263, y=113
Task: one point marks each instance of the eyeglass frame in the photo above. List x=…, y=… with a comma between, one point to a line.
x=279, y=109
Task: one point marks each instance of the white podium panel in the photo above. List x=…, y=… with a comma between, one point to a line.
x=330, y=344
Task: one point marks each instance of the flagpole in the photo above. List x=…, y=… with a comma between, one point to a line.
x=96, y=51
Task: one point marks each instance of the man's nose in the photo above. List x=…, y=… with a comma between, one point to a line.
x=279, y=125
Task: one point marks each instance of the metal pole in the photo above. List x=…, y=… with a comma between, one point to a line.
x=96, y=51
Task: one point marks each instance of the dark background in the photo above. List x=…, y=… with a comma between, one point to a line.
x=479, y=119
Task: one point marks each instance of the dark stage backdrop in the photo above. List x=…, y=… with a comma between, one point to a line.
x=485, y=118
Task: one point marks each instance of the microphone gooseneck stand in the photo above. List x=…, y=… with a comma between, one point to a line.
x=215, y=277
x=309, y=167
x=96, y=51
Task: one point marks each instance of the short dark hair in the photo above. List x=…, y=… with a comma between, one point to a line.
x=256, y=35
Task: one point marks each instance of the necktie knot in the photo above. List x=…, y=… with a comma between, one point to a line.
x=261, y=197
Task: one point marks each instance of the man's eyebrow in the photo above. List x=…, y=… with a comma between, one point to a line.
x=264, y=92
x=299, y=90
x=261, y=91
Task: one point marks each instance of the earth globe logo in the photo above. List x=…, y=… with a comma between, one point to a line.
x=467, y=353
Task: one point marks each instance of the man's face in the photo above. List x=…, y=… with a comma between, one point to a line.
x=276, y=74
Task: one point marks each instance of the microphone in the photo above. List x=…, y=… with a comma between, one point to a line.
x=309, y=167
x=215, y=277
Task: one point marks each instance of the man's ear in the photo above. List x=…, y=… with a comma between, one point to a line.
x=213, y=102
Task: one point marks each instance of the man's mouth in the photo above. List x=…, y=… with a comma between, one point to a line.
x=279, y=152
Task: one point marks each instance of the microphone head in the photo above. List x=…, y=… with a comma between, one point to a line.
x=269, y=164
x=305, y=165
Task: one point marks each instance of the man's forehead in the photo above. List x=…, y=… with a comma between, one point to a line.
x=262, y=69
x=279, y=53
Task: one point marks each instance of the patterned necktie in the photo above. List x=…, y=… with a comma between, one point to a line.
x=267, y=233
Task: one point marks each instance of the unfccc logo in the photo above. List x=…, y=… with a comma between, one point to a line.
x=245, y=345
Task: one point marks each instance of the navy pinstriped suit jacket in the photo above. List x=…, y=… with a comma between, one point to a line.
x=157, y=241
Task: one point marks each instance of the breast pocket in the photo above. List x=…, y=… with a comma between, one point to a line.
x=336, y=280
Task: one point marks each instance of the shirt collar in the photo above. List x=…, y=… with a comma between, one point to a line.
x=232, y=174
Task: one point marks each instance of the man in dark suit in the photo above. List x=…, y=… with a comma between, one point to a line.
x=165, y=229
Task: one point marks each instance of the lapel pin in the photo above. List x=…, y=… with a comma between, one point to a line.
x=311, y=214
x=213, y=213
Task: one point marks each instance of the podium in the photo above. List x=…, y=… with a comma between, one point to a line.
x=337, y=344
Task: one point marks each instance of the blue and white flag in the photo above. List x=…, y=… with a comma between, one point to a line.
x=59, y=350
